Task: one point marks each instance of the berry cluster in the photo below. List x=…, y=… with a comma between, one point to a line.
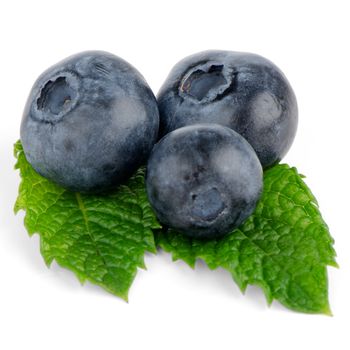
x=219, y=119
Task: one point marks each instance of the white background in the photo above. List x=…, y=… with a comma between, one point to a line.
x=171, y=306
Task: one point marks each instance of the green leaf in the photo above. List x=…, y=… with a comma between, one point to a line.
x=100, y=238
x=284, y=247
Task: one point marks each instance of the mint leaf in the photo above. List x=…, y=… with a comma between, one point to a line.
x=100, y=238
x=284, y=247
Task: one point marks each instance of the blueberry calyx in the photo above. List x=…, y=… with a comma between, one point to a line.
x=207, y=205
x=207, y=82
x=57, y=97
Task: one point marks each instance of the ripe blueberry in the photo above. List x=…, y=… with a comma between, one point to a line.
x=242, y=91
x=203, y=180
x=90, y=121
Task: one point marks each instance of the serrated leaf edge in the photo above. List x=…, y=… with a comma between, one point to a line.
x=19, y=205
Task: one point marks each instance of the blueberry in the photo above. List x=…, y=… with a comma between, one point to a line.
x=242, y=91
x=90, y=121
x=203, y=180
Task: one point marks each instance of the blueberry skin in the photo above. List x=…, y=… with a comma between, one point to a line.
x=90, y=121
x=203, y=180
x=242, y=91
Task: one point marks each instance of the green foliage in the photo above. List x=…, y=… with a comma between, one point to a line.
x=284, y=247
x=100, y=238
